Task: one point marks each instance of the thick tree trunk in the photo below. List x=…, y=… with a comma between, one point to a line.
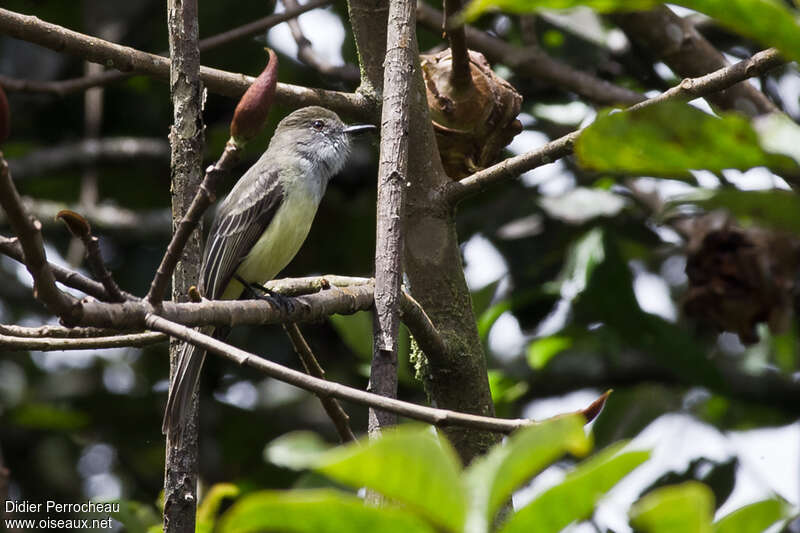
x=432, y=255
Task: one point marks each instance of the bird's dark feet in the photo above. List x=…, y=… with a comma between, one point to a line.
x=259, y=292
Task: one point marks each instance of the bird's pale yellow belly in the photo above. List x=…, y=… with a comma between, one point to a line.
x=271, y=253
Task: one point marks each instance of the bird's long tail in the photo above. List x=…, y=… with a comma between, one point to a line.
x=187, y=374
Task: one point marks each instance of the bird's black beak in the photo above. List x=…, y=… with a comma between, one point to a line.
x=359, y=129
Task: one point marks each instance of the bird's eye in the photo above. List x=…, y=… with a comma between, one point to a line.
x=317, y=125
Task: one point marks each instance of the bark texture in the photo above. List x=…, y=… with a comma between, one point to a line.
x=186, y=141
x=457, y=378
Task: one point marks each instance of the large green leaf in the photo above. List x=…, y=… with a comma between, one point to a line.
x=574, y=498
x=297, y=450
x=492, y=478
x=753, y=518
x=773, y=208
x=315, y=511
x=671, y=138
x=767, y=21
x=411, y=465
x=209, y=507
x=687, y=508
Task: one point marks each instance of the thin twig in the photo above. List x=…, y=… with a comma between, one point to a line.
x=338, y=416
x=687, y=90
x=127, y=59
x=45, y=344
x=11, y=248
x=89, y=152
x=460, y=74
x=306, y=53
x=81, y=229
x=533, y=62
x=28, y=231
x=205, y=195
x=324, y=388
x=64, y=87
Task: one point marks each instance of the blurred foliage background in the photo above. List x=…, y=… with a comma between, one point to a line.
x=578, y=277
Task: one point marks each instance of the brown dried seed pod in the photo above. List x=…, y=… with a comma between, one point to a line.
x=739, y=278
x=474, y=124
x=253, y=108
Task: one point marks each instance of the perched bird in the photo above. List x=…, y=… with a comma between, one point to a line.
x=261, y=225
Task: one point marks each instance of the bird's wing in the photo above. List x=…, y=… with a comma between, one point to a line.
x=242, y=219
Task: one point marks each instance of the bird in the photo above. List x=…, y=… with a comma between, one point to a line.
x=261, y=225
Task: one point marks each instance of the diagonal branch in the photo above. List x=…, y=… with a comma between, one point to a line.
x=340, y=418
x=533, y=62
x=64, y=87
x=323, y=388
x=28, y=230
x=688, y=89
x=127, y=59
x=306, y=54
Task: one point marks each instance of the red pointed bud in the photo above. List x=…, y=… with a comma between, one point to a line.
x=591, y=412
x=76, y=224
x=253, y=108
x=5, y=116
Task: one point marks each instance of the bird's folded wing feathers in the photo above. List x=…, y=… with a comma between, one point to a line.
x=242, y=219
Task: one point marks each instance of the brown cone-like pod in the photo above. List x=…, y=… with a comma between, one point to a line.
x=251, y=112
x=739, y=278
x=472, y=125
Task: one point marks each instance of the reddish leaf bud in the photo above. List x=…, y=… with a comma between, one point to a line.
x=5, y=116
x=76, y=224
x=251, y=113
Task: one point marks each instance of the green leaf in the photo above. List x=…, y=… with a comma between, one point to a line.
x=687, y=507
x=136, y=517
x=779, y=134
x=492, y=478
x=584, y=256
x=671, y=138
x=540, y=351
x=574, y=498
x=767, y=21
x=771, y=208
x=315, y=511
x=47, y=416
x=209, y=507
x=355, y=331
x=505, y=390
x=482, y=298
x=581, y=204
x=478, y=7
x=297, y=450
x=753, y=518
x=409, y=464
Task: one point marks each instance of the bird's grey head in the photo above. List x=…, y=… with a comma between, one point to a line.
x=318, y=136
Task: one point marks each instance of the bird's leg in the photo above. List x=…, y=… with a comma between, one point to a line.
x=260, y=292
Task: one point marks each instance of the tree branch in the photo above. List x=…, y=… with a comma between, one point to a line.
x=306, y=54
x=533, y=62
x=11, y=248
x=45, y=344
x=89, y=152
x=675, y=41
x=332, y=407
x=324, y=388
x=127, y=59
x=392, y=178
x=186, y=138
x=688, y=89
x=460, y=74
x=28, y=230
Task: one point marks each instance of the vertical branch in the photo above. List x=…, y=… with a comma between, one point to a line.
x=460, y=75
x=186, y=140
x=392, y=179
